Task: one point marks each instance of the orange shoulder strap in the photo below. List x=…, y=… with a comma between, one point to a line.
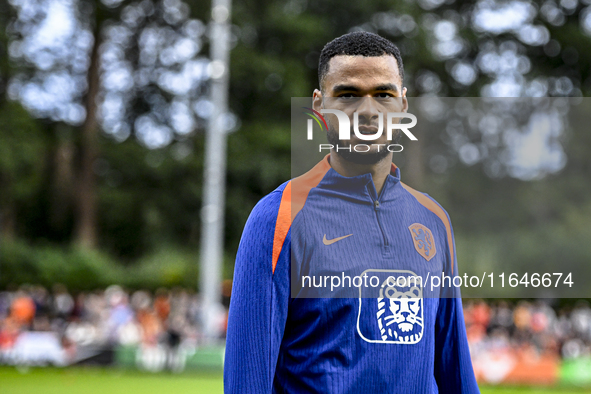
x=292, y=201
x=436, y=209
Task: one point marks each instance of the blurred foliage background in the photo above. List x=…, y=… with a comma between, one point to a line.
x=103, y=106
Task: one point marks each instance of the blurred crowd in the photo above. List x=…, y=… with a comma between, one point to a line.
x=171, y=319
x=529, y=327
x=165, y=319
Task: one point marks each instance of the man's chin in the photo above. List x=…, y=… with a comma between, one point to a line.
x=377, y=150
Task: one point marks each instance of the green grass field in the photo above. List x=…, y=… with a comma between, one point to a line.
x=113, y=381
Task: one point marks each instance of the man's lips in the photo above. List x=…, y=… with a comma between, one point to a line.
x=368, y=129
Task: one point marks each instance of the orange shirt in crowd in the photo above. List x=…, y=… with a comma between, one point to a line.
x=23, y=310
x=162, y=307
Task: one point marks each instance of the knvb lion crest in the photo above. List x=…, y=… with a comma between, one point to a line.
x=423, y=240
x=396, y=315
x=400, y=314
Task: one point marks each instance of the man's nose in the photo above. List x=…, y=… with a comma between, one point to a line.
x=367, y=110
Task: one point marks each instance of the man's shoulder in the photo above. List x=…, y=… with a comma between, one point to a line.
x=266, y=209
x=269, y=222
x=426, y=201
x=271, y=201
x=432, y=205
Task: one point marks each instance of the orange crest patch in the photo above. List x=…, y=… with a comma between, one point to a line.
x=423, y=240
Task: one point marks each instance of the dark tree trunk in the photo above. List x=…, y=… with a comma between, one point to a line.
x=7, y=222
x=63, y=180
x=85, y=231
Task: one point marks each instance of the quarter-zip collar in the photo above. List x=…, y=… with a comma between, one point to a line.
x=360, y=187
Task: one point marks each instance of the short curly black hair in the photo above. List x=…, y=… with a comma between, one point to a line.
x=358, y=43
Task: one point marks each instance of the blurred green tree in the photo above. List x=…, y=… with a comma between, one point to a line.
x=126, y=68
x=125, y=130
x=22, y=142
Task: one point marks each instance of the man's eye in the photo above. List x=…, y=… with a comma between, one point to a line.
x=347, y=96
x=384, y=95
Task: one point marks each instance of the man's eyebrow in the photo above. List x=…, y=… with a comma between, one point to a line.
x=345, y=88
x=388, y=86
x=351, y=88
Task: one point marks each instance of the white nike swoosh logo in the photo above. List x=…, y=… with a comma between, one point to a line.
x=332, y=241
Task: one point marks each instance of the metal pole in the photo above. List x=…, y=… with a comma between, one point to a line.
x=212, y=212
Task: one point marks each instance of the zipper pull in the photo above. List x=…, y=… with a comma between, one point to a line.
x=376, y=204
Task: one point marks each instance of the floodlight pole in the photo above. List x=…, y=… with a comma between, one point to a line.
x=212, y=211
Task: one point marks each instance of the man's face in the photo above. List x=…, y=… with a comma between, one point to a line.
x=368, y=86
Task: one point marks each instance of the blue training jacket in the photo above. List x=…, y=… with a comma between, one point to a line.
x=373, y=338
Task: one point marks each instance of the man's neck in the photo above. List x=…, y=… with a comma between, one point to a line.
x=379, y=171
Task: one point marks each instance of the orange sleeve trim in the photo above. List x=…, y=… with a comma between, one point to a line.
x=293, y=199
x=303, y=184
x=436, y=209
x=283, y=223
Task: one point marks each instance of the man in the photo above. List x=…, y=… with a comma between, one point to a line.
x=349, y=214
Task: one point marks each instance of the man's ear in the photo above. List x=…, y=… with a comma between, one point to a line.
x=404, y=101
x=317, y=100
